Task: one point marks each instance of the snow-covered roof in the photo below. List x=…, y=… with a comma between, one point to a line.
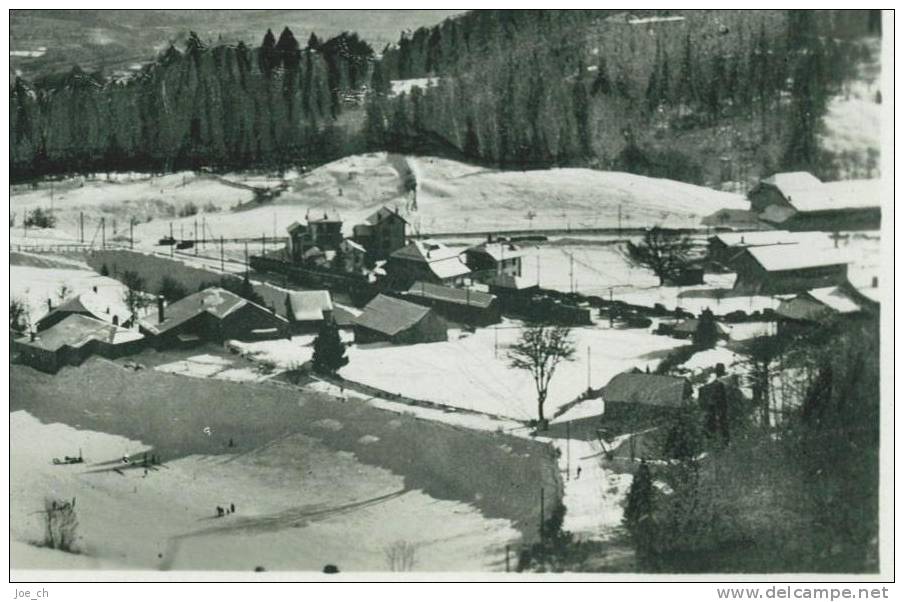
x=215, y=301
x=349, y=243
x=77, y=329
x=777, y=258
x=390, y=315
x=324, y=217
x=294, y=226
x=835, y=298
x=442, y=261
x=309, y=305
x=461, y=296
x=105, y=304
x=807, y=193
x=498, y=250
x=512, y=282
x=760, y=238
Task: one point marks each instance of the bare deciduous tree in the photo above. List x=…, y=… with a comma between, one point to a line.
x=133, y=296
x=539, y=351
x=663, y=251
x=60, y=524
x=400, y=556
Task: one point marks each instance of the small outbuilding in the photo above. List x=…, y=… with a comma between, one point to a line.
x=462, y=305
x=391, y=320
x=426, y=261
x=641, y=388
x=308, y=310
x=72, y=340
x=93, y=304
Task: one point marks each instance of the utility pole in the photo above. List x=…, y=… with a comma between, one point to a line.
x=246, y=258
x=571, y=271
x=588, y=368
x=196, y=237
x=611, y=307
x=264, y=244
x=131, y=233
x=203, y=229
x=103, y=233
x=222, y=257
x=496, y=341
x=619, y=219
x=568, y=450
x=81, y=226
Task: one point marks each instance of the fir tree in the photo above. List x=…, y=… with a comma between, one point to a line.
x=267, y=57
x=707, y=333
x=329, y=350
x=472, y=142
x=639, y=504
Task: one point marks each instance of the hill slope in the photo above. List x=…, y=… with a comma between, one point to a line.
x=451, y=197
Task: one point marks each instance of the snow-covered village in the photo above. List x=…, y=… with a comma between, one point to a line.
x=423, y=355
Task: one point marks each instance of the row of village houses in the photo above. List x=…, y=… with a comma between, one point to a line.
x=432, y=285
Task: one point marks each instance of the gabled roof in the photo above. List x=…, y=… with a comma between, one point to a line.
x=77, y=329
x=294, y=226
x=97, y=305
x=778, y=258
x=382, y=214
x=448, y=294
x=793, y=182
x=309, y=305
x=690, y=326
x=759, y=238
x=216, y=301
x=497, y=250
x=807, y=193
x=390, y=316
x=440, y=259
x=322, y=217
x=648, y=389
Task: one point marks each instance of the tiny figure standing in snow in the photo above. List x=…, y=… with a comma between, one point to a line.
x=579, y=473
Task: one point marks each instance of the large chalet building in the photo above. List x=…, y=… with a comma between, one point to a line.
x=382, y=233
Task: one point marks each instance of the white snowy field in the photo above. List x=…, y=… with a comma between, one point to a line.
x=472, y=371
x=451, y=197
x=164, y=520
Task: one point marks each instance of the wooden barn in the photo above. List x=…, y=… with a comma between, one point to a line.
x=213, y=314
x=308, y=310
x=725, y=246
x=426, y=261
x=72, y=340
x=390, y=320
x=773, y=270
x=800, y=201
x=641, y=388
x=491, y=259
x=821, y=305
x=461, y=305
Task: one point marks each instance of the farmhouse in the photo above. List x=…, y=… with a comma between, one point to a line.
x=491, y=259
x=426, y=261
x=461, y=305
x=308, y=310
x=387, y=319
x=104, y=307
x=800, y=201
x=382, y=233
x=213, y=314
x=73, y=339
x=821, y=305
x=724, y=247
x=639, y=388
x=773, y=270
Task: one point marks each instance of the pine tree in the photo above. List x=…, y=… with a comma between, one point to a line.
x=472, y=142
x=329, y=350
x=287, y=49
x=602, y=84
x=581, y=100
x=640, y=504
x=707, y=333
x=267, y=56
x=684, y=440
x=374, y=122
x=314, y=42
x=687, y=89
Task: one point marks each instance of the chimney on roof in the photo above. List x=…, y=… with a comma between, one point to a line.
x=49, y=304
x=161, y=314
x=94, y=288
x=875, y=282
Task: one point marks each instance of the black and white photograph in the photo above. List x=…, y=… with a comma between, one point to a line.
x=492, y=294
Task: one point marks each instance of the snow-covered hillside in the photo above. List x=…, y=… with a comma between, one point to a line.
x=451, y=197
